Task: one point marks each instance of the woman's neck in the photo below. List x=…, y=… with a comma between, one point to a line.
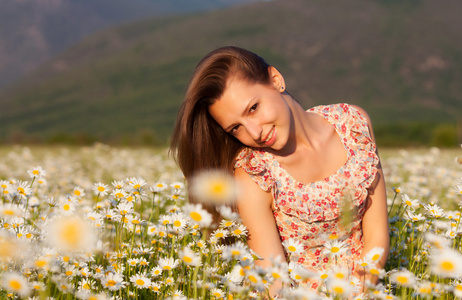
x=302, y=128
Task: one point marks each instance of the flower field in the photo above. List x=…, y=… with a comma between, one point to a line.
x=114, y=223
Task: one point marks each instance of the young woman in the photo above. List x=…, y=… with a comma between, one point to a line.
x=301, y=172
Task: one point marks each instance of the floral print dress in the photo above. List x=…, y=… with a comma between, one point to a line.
x=311, y=213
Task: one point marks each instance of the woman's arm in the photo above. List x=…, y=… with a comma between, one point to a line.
x=255, y=208
x=375, y=220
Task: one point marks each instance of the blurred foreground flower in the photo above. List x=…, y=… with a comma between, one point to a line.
x=217, y=187
x=70, y=234
x=15, y=283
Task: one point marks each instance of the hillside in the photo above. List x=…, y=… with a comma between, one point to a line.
x=34, y=31
x=400, y=60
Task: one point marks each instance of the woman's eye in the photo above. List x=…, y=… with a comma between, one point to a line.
x=253, y=108
x=234, y=129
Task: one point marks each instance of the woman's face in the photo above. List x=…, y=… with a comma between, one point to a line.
x=256, y=114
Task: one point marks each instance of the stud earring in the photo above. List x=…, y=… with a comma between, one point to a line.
x=282, y=88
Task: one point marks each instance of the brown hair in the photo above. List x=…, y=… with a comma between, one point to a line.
x=198, y=141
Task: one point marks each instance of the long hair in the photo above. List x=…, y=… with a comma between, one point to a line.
x=198, y=141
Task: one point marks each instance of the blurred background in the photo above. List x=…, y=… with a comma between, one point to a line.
x=115, y=71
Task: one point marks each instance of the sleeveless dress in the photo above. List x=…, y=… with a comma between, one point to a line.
x=313, y=212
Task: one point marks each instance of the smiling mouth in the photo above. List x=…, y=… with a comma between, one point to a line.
x=269, y=137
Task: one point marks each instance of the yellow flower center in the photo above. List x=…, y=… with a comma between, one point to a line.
x=447, y=266
x=402, y=279
x=374, y=272
x=66, y=207
x=195, y=216
x=9, y=212
x=237, y=231
x=101, y=189
x=335, y=249
x=140, y=282
x=68, y=273
x=111, y=282
x=376, y=257
x=253, y=279
x=339, y=290
x=15, y=284
x=35, y=172
x=77, y=192
x=177, y=223
x=40, y=263
x=324, y=276
x=276, y=275
x=291, y=248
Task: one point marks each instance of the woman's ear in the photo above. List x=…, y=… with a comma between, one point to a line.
x=276, y=79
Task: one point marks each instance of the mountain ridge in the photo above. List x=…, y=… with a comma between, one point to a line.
x=391, y=59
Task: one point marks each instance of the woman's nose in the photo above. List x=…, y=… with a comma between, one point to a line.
x=255, y=130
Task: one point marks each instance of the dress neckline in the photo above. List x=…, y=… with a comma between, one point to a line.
x=319, y=112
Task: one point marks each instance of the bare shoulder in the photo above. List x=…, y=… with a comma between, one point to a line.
x=251, y=195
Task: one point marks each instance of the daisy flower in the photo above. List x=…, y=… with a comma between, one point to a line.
x=168, y=263
x=132, y=262
x=155, y=287
x=100, y=189
x=235, y=251
x=228, y=213
x=178, y=221
x=15, y=283
x=189, y=257
x=156, y=271
x=70, y=234
x=118, y=184
x=125, y=208
x=23, y=190
x=375, y=254
x=165, y=220
x=238, y=230
x=446, y=263
x=226, y=223
x=457, y=290
x=9, y=211
x=408, y=215
x=119, y=194
x=36, y=172
x=113, y=281
x=409, y=203
x=140, y=281
x=376, y=271
x=458, y=189
x=279, y=273
x=299, y=273
x=220, y=233
x=198, y=215
x=158, y=187
x=78, y=191
x=67, y=208
x=434, y=211
x=339, y=287
x=403, y=278
x=216, y=187
x=364, y=262
x=293, y=246
x=217, y=293
x=335, y=248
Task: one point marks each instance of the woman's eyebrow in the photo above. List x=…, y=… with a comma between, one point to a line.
x=244, y=112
